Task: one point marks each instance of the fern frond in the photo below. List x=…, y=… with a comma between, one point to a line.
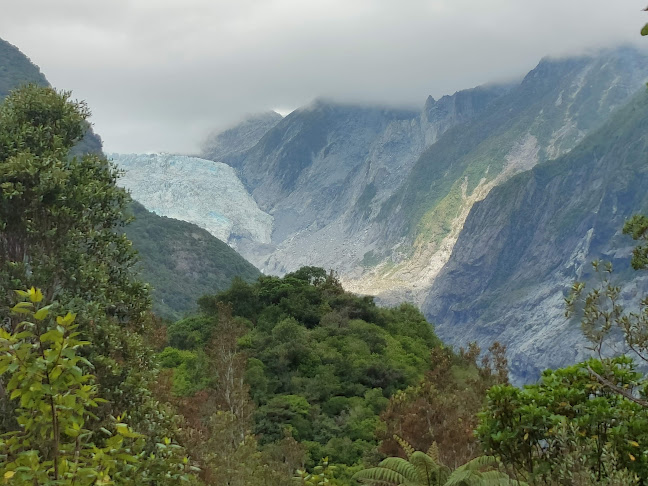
x=428, y=470
x=480, y=463
x=380, y=476
x=406, y=469
x=472, y=476
x=433, y=452
x=498, y=478
x=409, y=450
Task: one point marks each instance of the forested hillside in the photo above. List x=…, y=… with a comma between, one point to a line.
x=313, y=369
x=181, y=260
x=16, y=69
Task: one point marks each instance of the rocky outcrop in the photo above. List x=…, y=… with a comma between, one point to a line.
x=203, y=192
x=523, y=246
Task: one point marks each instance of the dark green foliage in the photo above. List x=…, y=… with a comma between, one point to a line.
x=637, y=227
x=16, y=69
x=181, y=260
x=522, y=425
x=321, y=362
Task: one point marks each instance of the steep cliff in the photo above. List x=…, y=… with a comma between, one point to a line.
x=530, y=238
x=546, y=115
x=324, y=170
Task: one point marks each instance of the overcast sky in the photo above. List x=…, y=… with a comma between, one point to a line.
x=159, y=74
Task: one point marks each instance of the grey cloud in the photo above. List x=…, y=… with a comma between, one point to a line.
x=159, y=74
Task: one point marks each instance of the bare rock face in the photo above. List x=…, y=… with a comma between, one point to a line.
x=523, y=246
x=324, y=171
x=203, y=192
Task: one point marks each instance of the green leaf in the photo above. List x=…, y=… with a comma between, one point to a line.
x=41, y=313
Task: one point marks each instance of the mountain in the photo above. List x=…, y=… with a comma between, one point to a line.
x=380, y=194
x=523, y=246
x=182, y=262
x=179, y=259
x=555, y=106
x=322, y=171
x=196, y=190
x=237, y=139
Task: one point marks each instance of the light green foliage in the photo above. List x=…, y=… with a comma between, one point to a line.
x=425, y=469
x=55, y=398
x=321, y=474
x=521, y=425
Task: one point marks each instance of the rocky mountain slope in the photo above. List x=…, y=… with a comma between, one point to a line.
x=199, y=191
x=546, y=115
x=381, y=194
x=322, y=171
x=531, y=237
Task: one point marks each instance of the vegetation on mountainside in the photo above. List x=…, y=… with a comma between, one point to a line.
x=320, y=362
x=181, y=261
x=16, y=69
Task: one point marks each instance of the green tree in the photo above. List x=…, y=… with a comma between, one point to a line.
x=60, y=216
x=521, y=426
x=61, y=220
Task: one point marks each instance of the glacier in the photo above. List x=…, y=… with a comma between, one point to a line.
x=206, y=193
